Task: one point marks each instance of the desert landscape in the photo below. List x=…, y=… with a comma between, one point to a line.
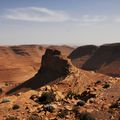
x=59, y=59
x=44, y=82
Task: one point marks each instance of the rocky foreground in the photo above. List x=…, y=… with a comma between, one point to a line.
x=60, y=91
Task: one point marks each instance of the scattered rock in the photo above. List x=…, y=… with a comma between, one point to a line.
x=63, y=113
x=84, y=116
x=48, y=108
x=34, y=117
x=70, y=95
x=48, y=88
x=15, y=107
x=116, y=104
x=5, y=100
x=11, y=118
x=91, y=100
x=59, y=95
x=86, y=95
x=34, y=97
x=19, y=94
x=80, y=103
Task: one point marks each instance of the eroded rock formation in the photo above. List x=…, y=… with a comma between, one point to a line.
x=81, y=54
x=105, y=60
x=54, y=67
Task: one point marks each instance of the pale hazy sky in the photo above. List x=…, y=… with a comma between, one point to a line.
x=74, y=22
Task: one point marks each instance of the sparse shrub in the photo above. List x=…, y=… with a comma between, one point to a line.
x=5, y=100
x=106, y=85
x=86, y=95
x=14, y=107
x=63, y=113
x=77, y=96
x=1, y=91
x=80, y=103
x=111, y=111
x=116, y=104
x=47, y=97
x=34, y=117
x=49, y=108
x=75, y=109
x=98, y=82
x=70, y=95
x=6, y=84
x=11, y=118
x=84, y=116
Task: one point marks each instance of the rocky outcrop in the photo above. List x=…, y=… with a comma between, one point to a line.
x=57, y=70
x=21, y=62
x=64, y=49
x=105, y=60
x=54, y=63
x=54, y=67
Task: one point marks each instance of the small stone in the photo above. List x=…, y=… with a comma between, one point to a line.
x=105, y=106
x=15, y=107
x=34, y=97
x=48, y=88
x=89, y=110
x=18, y=94
x=42, y=113
x=54, y=105
x=68, y=107
x=59, y=95
x=92, y=100
x=5, y=100
x=26, y=107
x=80, y=103
x=49, y=108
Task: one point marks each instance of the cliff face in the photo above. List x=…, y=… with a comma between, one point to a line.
x=81, y=54
x=52, y=61
x=105, y=60
x=54, y=67
x=64, y=49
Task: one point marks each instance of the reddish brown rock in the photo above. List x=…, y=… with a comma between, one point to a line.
x=54, y=67
x=81, y=54
x=105, y=60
